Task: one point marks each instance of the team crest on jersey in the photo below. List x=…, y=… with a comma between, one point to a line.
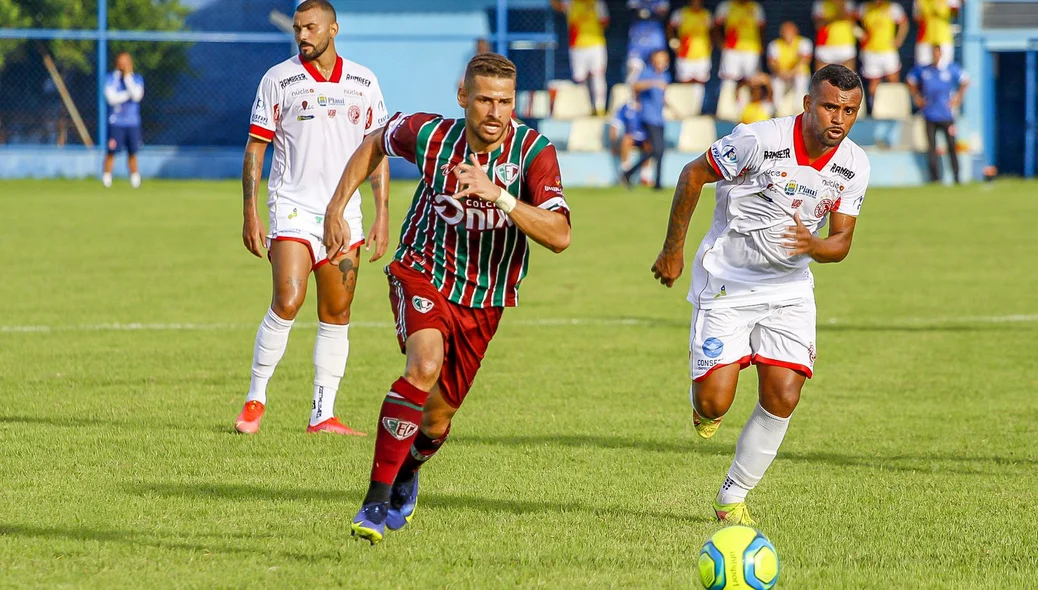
x=277, y=113
x=421, y=304
x=824, y=206
x=507, y=172
x=729, y=155
x=354, y=114
x=399, y=429
x=812, y=354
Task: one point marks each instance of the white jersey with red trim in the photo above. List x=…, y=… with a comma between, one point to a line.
x=768, y=177
x=316, y=124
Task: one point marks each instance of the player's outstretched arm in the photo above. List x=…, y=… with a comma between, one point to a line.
x=833, y=248
x=548, y=228
x=251, y=174
x=362, y=165
x=671, y=260
x=379, y=235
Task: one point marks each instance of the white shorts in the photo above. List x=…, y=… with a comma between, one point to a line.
x=836, y=54
x=780, y=334
x=875, y=64
x=738, y=65
x=293, y=224
x=693, y=70
x=584, y=61
x=924, y=54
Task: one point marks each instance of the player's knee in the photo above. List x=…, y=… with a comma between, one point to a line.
x=709, y=402
x=423, y=371
x=286, y=307
x=435, y=424
x=334, y=314
x=780, y=400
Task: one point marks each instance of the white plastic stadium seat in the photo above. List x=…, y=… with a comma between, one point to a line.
x=728, y=108
x=586, y=135
x=571, y=102
x=618, y=95
x=540, y=105
x=683, y=101
x=892, y=102
x=697, y=133
x=913, y=135
x=791, y=104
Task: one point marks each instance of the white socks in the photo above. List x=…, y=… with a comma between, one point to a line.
x=598, y=92
x=758, y=444
x=135, y=180
x=331, y=350
x=271, y=342
x=106, y=179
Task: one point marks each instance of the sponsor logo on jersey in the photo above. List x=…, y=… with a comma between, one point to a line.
x=729, y=155
x=706, y=364
x=305, y=106
x=812, y=354
x=291, y=80
x=300, y=92
x=331, y=113
x=824, y=206
x=770, y=155
x=362, y=81
x=507, y=172
x=277, y=113
x=721, y=293
x=353, y=114
x=367, y=121
x=304, y=117
x=766, y=197
x=713, y=348
x=844, y=172
x=791, y=188
x=797, y=203
x=421, y=304
x=477, y=214
x=259, y=104
x=258, y=118
x=833, y=184
x=322, y=100
x=399, y=429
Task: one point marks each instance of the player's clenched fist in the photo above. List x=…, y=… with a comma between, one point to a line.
x=336, y=237
x=668, y=267
x=252, y=235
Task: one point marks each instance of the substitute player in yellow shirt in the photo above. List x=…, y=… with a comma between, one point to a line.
x=587, y=20
x=742, y=24
x=690, y=28
x=834, y=21
x=886, y=27
x=789, y=60
x=934, y=18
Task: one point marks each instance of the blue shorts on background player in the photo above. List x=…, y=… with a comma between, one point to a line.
x=123, y=92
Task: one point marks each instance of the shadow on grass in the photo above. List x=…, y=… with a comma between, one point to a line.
x=78, y=422
x=137, y=539
x=428, y=499
x=921, y=462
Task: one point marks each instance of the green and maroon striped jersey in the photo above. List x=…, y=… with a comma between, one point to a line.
x=469, y=249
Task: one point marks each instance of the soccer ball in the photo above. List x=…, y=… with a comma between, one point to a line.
x=738, y=557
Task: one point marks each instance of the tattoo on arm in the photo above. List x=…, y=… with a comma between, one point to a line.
x=349, y=274
x=380, y=186
x=249, y=176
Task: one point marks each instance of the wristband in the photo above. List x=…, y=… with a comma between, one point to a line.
x=505, y=202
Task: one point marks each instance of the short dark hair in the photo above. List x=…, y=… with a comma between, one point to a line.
x=324, y=5
x=492, y=65
x=839, y=76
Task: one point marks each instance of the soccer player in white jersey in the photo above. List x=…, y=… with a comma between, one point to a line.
x=780, y=182
x=316, y=108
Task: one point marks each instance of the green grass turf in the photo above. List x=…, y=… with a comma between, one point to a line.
x=910, y=463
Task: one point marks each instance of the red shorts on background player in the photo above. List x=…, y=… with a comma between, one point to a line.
x=488, y=186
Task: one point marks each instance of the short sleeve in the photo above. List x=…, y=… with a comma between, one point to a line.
x=897, y=13
x=913, y=76
x=675, y=19
x=961, y=76
x=851, y=200
x=759, y=11
x=265, y=110
x=736, y=153
x=544, y=182
x=806, y=47
x=773, y=50
x=376, y=115
x=721, y=13
x=818, y=10
x=400, y=138
x=603, y=10
x=917, y=12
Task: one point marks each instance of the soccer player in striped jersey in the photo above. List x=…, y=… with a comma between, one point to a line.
x=489, y=186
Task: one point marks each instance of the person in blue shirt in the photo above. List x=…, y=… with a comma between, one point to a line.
x=626, y=131
x=937, y=90
x=647, y=34
x=123, y=91
x=649, y=88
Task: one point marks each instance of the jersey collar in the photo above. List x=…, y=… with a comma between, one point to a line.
x=316, y=74
x=801, y=149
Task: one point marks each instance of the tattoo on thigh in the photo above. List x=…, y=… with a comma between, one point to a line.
x=295, y=281
x=349, y=274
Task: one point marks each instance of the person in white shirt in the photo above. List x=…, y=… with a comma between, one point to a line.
x=780, y=182
x=124, y=91
x=316, y=108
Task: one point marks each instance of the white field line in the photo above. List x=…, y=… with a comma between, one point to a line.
x=193, y=327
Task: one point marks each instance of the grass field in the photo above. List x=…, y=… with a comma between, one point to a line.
x=126, y=334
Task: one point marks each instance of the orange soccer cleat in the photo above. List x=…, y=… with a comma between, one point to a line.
x=248, y=422
x=333, y=426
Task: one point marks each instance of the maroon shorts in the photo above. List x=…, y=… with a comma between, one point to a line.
x=418, y=305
